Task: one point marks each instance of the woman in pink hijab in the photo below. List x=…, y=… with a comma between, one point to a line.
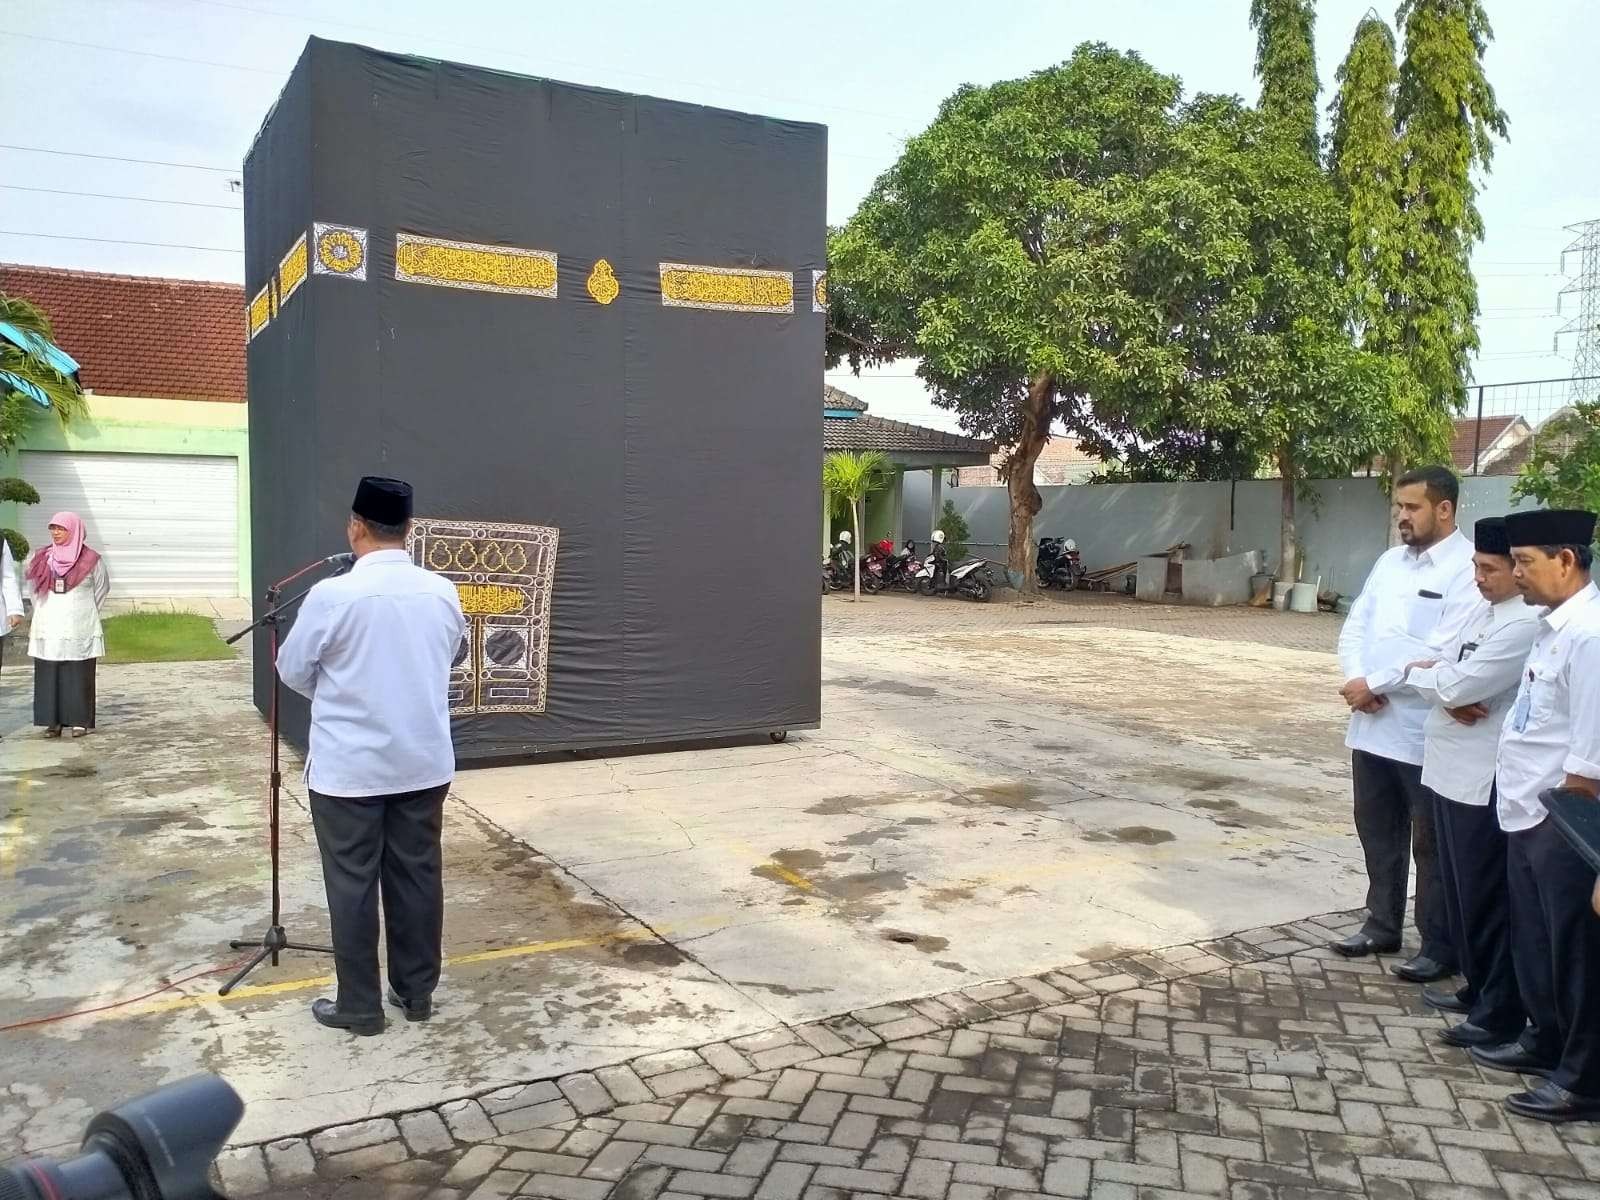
x=69, y=583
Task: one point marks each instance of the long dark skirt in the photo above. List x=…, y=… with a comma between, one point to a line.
x=63, y=693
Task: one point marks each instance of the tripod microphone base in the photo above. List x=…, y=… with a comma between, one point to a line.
x=272, y=943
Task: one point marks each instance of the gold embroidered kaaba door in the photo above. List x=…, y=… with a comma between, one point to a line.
x=503, y=574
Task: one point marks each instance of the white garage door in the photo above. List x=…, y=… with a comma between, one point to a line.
x=166, y=523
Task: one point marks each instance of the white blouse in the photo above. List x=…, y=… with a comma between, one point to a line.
x=66, y=627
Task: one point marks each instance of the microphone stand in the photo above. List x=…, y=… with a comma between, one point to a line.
x=275, y=940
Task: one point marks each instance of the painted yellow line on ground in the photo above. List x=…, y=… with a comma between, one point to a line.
x=288, y=986
x=794, y=879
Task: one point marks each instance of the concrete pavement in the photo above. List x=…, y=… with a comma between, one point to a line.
x=988, y=798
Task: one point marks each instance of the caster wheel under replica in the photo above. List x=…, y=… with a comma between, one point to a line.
x=779, y=736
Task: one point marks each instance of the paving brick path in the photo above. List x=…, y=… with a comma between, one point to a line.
x=1256, y=1067
x=898, y=613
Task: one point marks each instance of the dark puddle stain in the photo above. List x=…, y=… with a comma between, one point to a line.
x=838, y=806
x=868, y=836
x=778, y=989
x=1235, y=816
x=939, y=897
x=799, y=860
x=925, y=942
x=1019, y=797
x=951, y=966
x=1141, y=835
x=651, y=954
x=1055, y=747
x=878, y=687
x=73, y=850
x=49, y=876
x=917, y=821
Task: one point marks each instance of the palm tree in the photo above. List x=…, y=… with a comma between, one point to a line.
x=34, y=371
x=852, y=477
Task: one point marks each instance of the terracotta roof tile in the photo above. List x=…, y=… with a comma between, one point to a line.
x=133, y=335
x=876, y=433
x=1466, y=436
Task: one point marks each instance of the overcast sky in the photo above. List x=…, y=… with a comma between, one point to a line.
x=189, y=81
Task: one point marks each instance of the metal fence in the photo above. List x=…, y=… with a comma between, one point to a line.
x=1507, y=422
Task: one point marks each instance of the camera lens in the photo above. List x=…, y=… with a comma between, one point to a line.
x=157, y=1147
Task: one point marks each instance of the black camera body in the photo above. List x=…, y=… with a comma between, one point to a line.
x=157, y=1147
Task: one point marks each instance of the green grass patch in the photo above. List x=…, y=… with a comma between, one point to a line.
x=162, y=637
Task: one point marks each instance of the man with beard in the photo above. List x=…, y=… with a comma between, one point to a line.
x=1472, y=687
x=1415, y=601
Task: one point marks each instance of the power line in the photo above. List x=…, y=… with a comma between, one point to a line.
x=17, y=187
x=148, y=162
x=68, y=237
x=566, y=62
x=203, y=62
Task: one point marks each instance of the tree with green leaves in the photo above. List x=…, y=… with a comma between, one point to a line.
x=991, y=253
x=35, y=375
x=1564, y=469
x=851, y=477
x=1407, y=145
x=1083, y=247
x=1286, y=64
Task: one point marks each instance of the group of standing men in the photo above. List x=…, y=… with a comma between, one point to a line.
x=1472, y=673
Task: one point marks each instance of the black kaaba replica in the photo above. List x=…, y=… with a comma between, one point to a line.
x=588, y=328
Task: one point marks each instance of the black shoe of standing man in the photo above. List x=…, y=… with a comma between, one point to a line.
x=1513, y=1058
x=1359, y=945
x=362, y=1024
x=1466, y=1035
x=1548, y=1102
x=1422, y=969
x=415, y=1010
x=1446, y=1001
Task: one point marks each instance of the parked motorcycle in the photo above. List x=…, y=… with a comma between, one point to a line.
x=901, y=567
x=837, y=568
x=970, y=579
x=1057, y=564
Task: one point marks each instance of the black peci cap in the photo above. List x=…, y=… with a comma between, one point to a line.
x=1489, y=537
x=1551, y=527
x=383, y=501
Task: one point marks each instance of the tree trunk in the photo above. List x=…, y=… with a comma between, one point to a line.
x=1288, y=552
x=1396, y=469
x=855, y=552
x=1020, y=489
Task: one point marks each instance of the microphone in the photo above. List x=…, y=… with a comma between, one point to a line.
x=342, y=561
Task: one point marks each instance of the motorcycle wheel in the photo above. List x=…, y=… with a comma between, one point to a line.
x=980, y=590
x=925, y=587
x=871, y=584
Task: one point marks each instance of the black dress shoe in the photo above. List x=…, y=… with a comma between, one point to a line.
x=1512, y=1058
x=1548, y=1102
x=1466, y=1035
x=1359, y=945
x=419, y=1010
x=1450, y=1002
x=364, y=1024
x=1423, y=969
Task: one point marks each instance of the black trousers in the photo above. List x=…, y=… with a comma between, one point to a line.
x=388, y=845
x=1472, y=869
x=63, y=693
x=1394, y=819
x=1555, y=939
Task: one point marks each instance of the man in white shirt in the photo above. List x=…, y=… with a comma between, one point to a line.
x=10, y=596
x=1551, y=738
x=1414, y=602
x=372, y=650
x=1472, y=687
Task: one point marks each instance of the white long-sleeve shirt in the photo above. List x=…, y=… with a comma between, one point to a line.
x=1412, y=605
x=1553, y=728
x=372, y=651
x=10, y=588
x=1481, y=665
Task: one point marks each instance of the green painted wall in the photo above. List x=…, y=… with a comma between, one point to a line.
x=133, y=425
